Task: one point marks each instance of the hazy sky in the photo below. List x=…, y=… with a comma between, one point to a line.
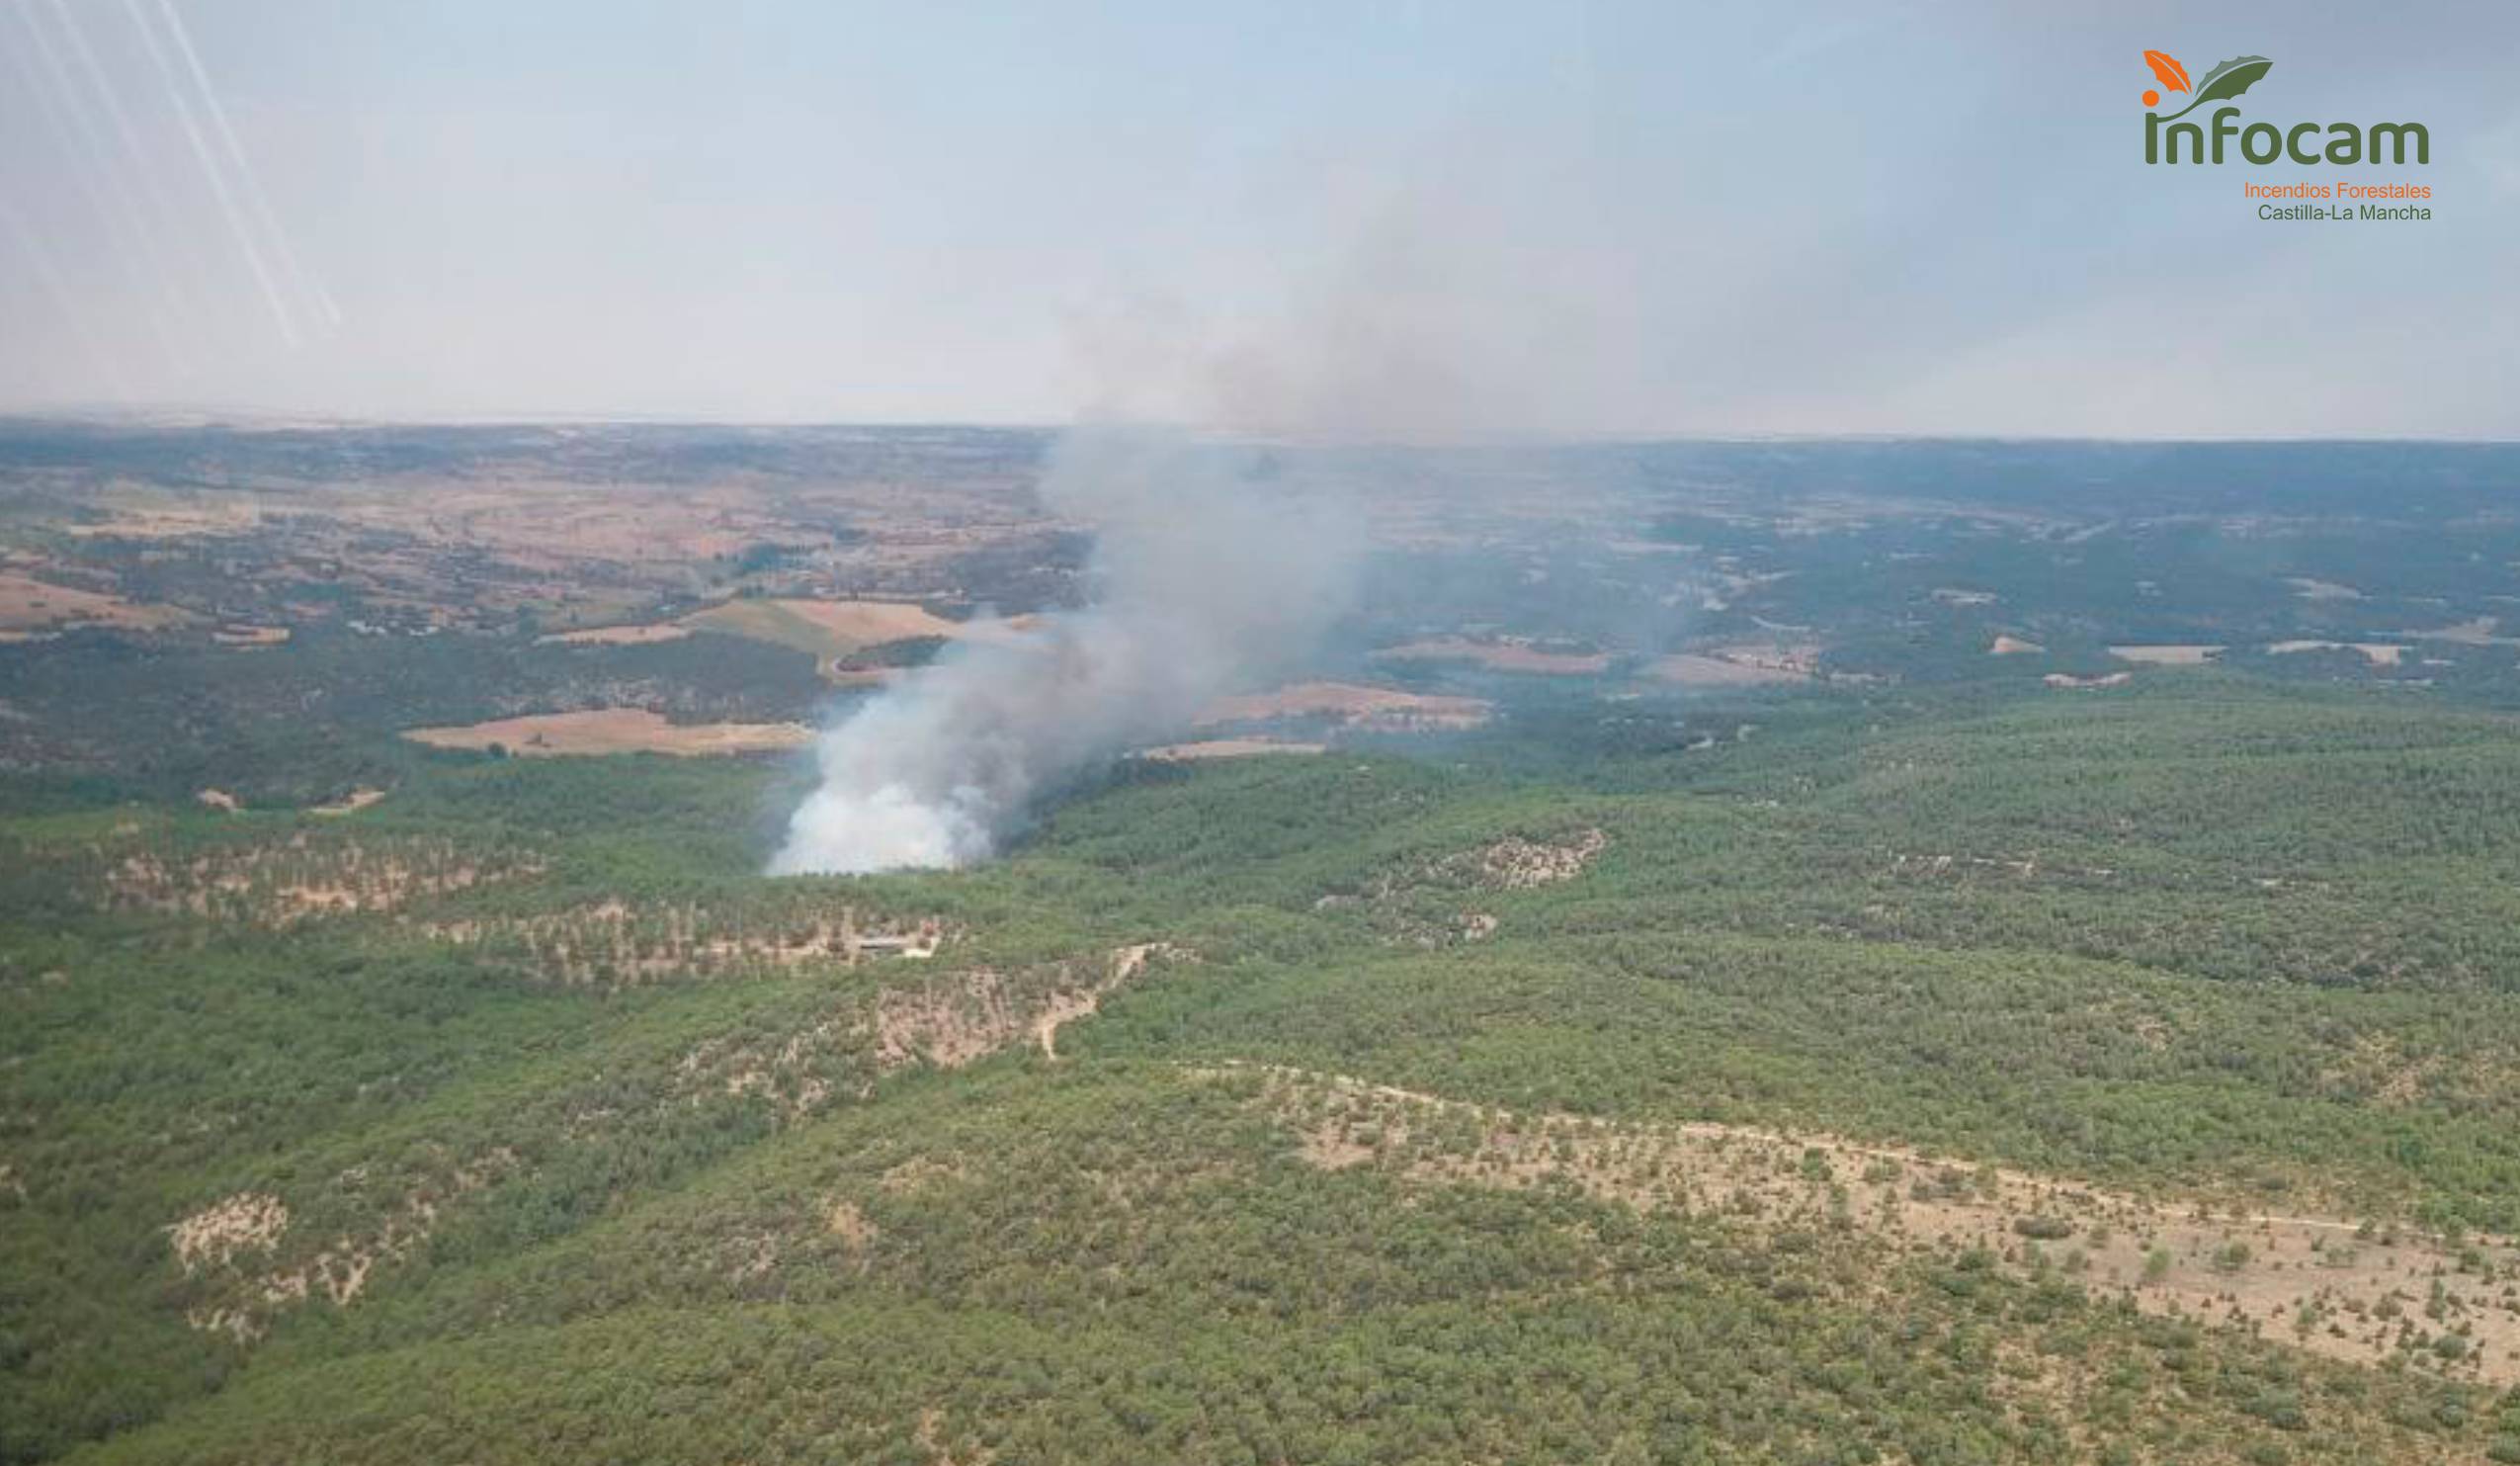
x=1399, y=219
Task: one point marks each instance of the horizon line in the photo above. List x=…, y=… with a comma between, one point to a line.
x=172, y=418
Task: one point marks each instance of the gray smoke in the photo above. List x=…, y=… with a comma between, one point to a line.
x=1216, y=568
x=1428, y=317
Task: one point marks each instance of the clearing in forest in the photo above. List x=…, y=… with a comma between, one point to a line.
x=830, y=629
x=1382, y=709
x=1730, y=669
x=618, y=636
x=600, y=731
x=1504, y=654
x=2167, y=654
x=1203, y=749
x=29, y=607
x=2377, y=653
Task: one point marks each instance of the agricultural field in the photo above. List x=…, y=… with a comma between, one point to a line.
x=1782, y=952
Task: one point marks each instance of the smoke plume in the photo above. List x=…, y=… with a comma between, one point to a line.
x=1429, y=314
x=1215, y=567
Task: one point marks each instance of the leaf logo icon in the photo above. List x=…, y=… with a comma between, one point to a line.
x=2167, y=66
x=2232, y=78
x=2221, y=84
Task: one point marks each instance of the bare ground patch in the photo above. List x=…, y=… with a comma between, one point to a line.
x=249, y=1221
x=1382, y=708
x=954, y=1021
x=229, y=1295
x=1730, y=669
x=2483, y=631
x=349, y=803
x=847, y=1222
x=1501, y=654
x=28, y=607
x=2377, y=653
x=132, y=514
x=1517, y=864
x=605, y=731
x=1513, y=863
x=617, y=636
x=947, y=1022
x=1205, y=749
x=1422, y=901
x=831, y=629
x=2167, y=654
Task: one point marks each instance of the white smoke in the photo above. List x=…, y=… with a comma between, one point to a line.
x=1433, y=313
x=1214, y=567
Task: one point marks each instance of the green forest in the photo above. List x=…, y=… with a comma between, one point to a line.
x=514, y=1117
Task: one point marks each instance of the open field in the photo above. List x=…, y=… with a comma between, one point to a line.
x=1229, y=748
x=614, y=730
x=29, y=606
x=824, y=628
x=349, y=803
x=581, y=528
x=854, y=644
x=1499, y=655
x=1724, y=669
x=2167, y=656
x=618, y=636
x=1350, y=705
x=1764, y=557
x=2377, y=653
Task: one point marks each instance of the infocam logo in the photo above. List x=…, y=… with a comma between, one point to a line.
x=2165, y=139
